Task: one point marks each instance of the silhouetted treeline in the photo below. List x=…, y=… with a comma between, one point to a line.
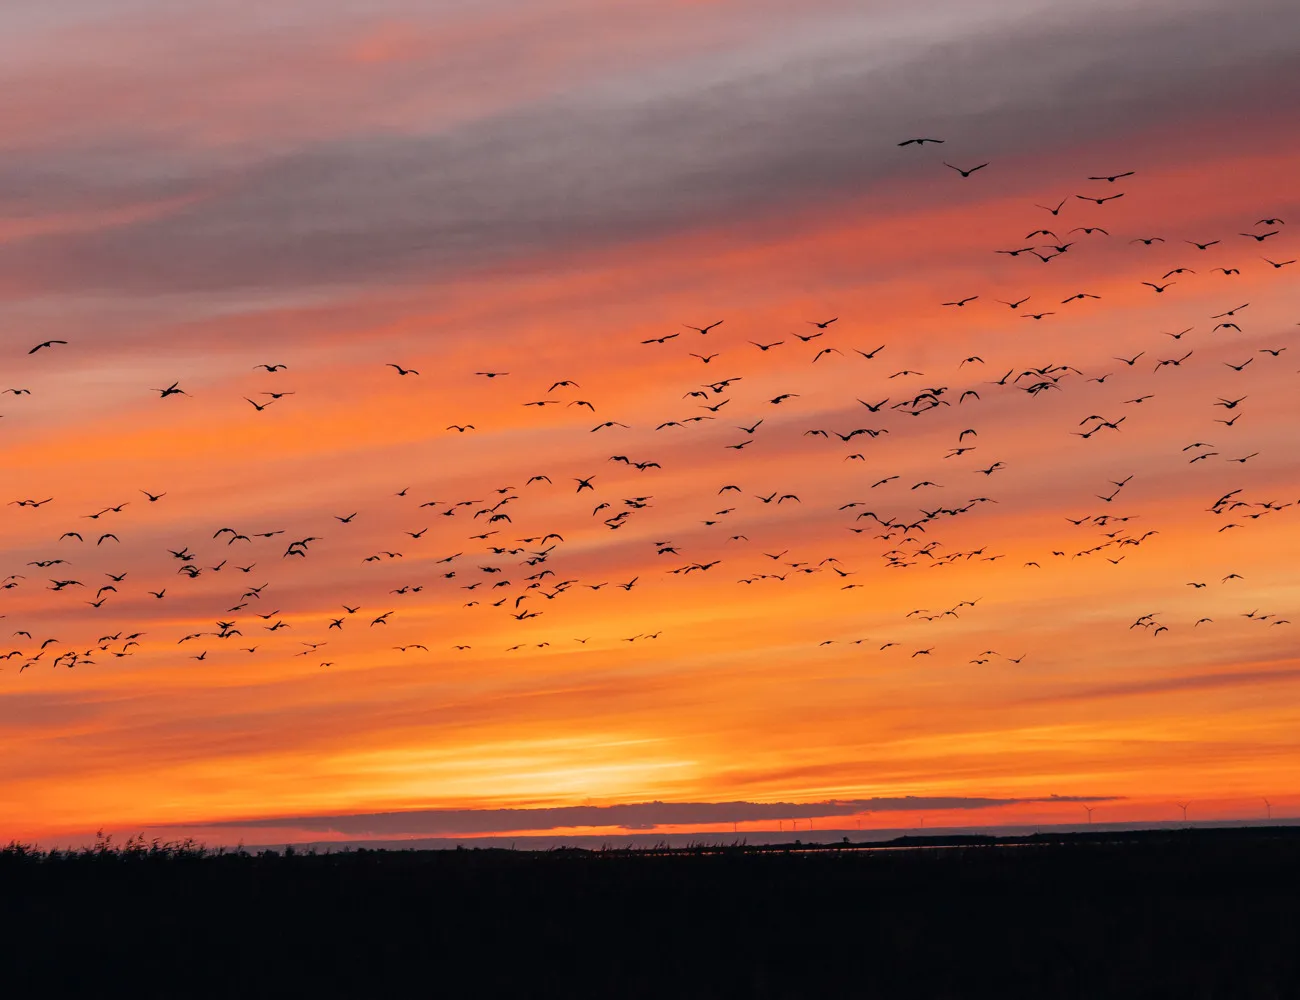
x=1189, y=914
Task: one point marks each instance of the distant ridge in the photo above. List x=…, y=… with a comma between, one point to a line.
x=914, y=837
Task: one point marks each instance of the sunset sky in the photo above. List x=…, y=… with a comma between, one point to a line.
x=544, y=190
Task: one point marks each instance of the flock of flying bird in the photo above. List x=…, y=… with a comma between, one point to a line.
x=519, y=577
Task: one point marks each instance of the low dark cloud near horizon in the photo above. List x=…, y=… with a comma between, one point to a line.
x=632, y=816
x=639, y=158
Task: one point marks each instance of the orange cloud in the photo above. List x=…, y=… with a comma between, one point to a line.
x=794, y=668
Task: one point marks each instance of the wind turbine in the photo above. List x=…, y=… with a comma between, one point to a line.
x=1088, y=810
x=1269, y=807
x=1183, y=806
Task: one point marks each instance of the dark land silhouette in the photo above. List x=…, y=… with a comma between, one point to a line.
x=1151, y=914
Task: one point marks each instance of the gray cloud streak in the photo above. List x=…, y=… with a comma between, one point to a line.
x=634, y=816
x=646, y=160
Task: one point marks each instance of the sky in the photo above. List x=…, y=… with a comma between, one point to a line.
x=561, y=192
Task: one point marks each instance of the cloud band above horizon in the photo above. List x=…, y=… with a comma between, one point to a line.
x=630, y=816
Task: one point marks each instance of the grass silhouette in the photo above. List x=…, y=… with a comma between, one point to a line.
x=1186, y=913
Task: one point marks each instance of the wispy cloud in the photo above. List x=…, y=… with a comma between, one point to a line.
x=633, y=816
x=537, y=186
x=806, y=116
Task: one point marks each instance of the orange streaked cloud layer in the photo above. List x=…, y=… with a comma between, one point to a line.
x=546, y=190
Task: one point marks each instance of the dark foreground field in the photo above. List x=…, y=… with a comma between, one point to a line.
x=1189, y=914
